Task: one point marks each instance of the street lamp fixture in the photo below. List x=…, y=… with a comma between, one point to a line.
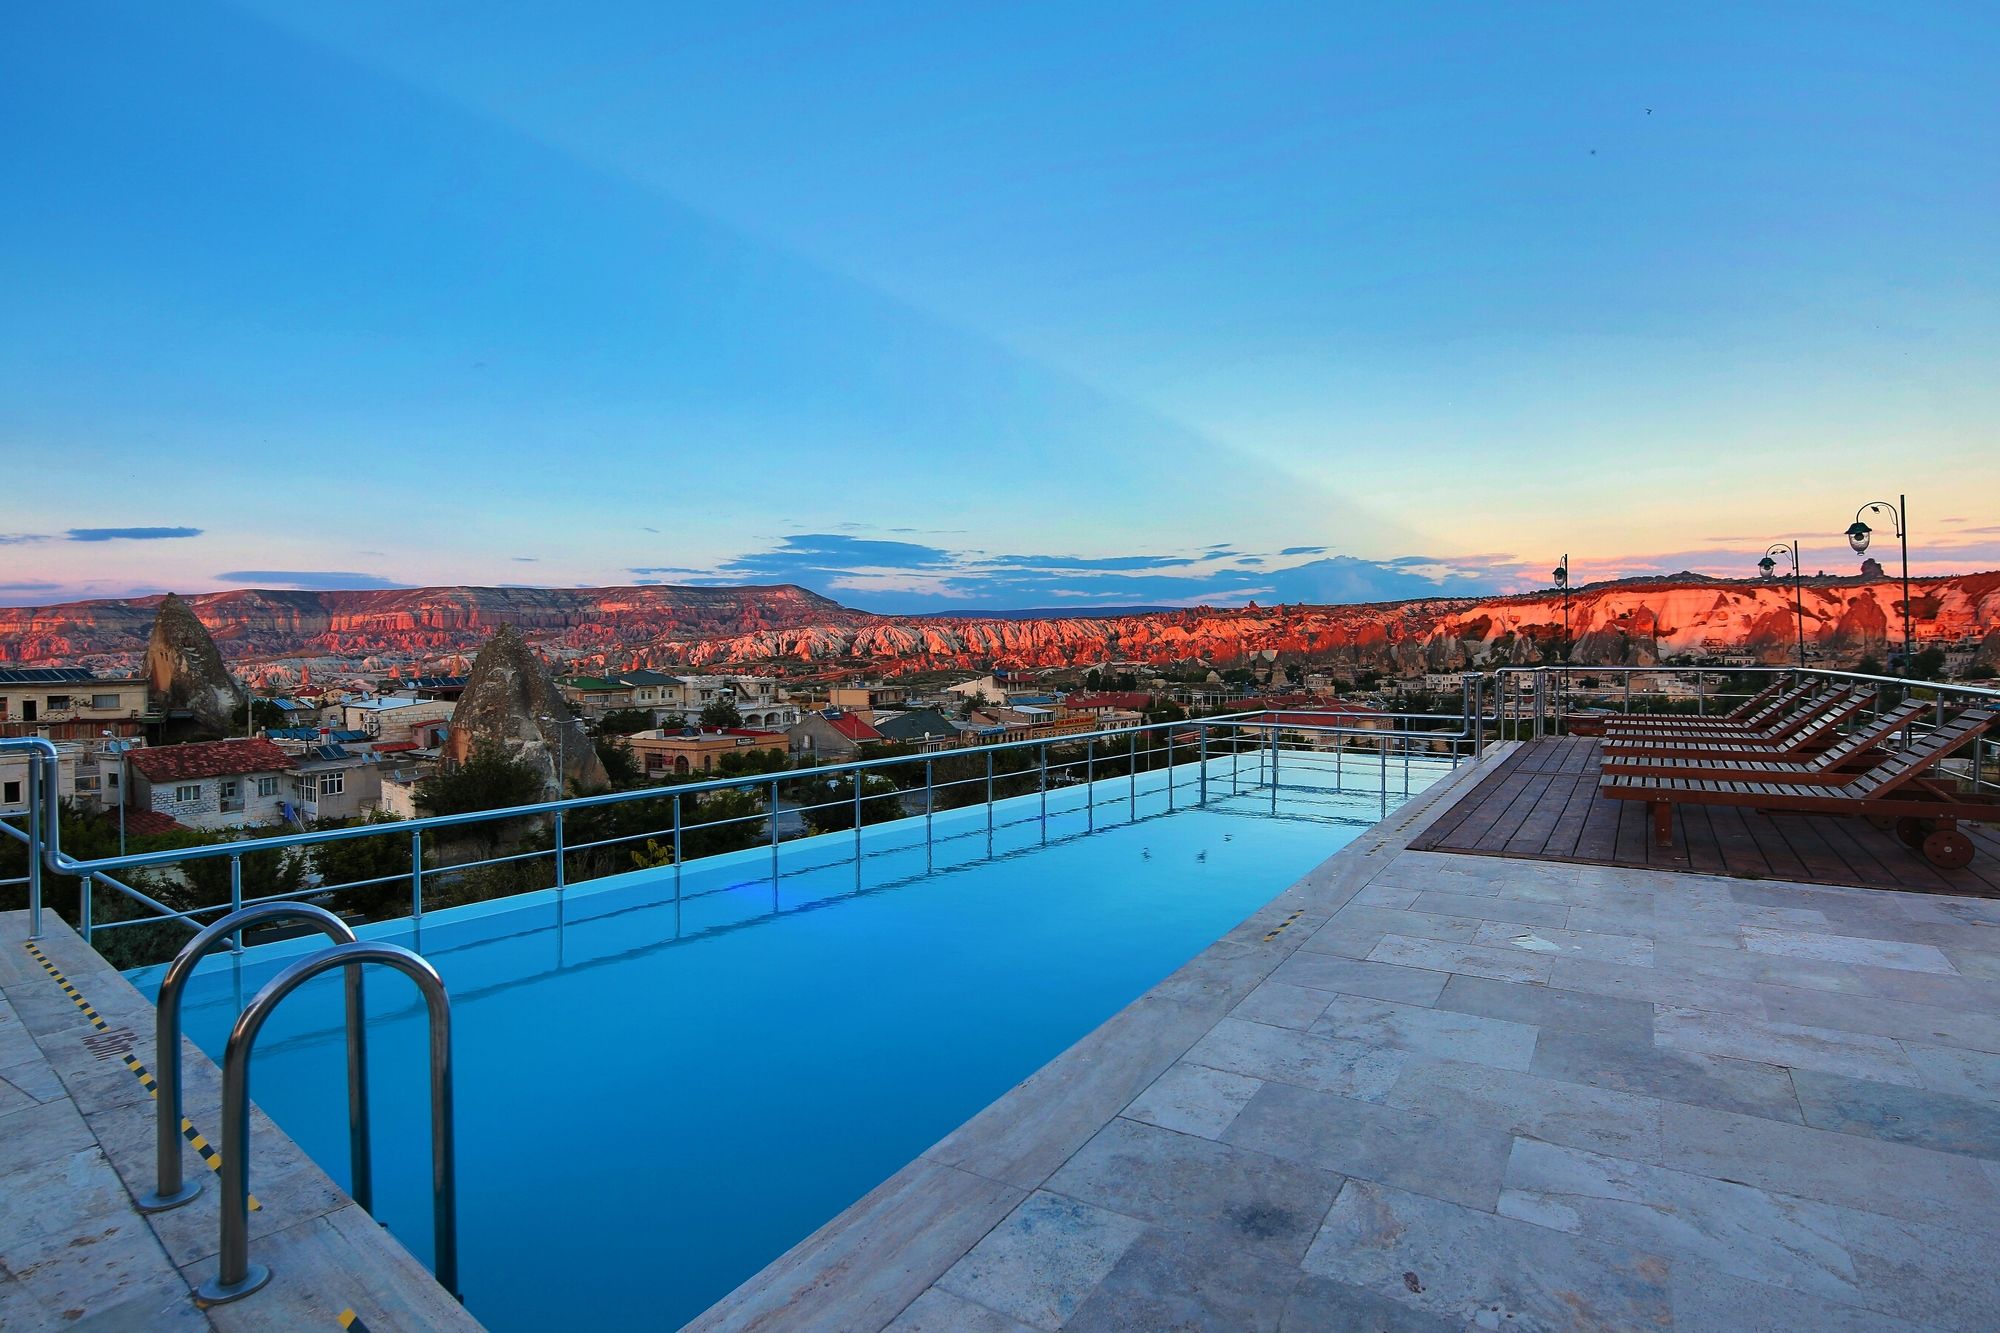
x=1769, y=565
x=118, y=748
x=1561, y=576
x=1858, y=534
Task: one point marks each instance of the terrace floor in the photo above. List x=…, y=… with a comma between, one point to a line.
x=76, y=1148
x=1541, y=802
x=1430, y=1090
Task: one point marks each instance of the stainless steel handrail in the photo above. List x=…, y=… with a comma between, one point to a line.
x=172, y=1189
x=236, y=1277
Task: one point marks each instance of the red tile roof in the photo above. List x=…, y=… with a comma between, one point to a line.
x=1132, y=699
x=209, y=759
x=150, y=823
x=396, y=747
x=853, y=727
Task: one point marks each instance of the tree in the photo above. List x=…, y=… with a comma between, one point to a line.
x=1928, y=664
x=830, y=802
x=624, y=722
x=721, y=714
x=383, y=857
x=616, y=756
x=491, y=779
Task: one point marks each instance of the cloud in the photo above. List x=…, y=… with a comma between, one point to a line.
x=28, y=587
x=1303, y=550
x=312, y=580
x=130, y=534
x=21, y=538
x=526, y=559
x=900, y=576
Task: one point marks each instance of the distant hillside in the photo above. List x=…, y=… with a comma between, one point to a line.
x=1637, y=622
x=254, y=624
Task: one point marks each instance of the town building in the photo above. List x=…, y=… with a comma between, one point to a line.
x=332, y=782
x=832, y=734
x=922, y=728
x=398, y=717
x=866, y=700
x=211, y=784
x=695, y=751
x=87, y=773
x=1099, y=703
x=70, y=703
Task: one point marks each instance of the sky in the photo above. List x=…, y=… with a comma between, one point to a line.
x=980, y=306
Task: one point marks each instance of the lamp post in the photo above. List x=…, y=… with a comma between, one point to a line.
x=118, y=748
x=1790, y=550
x=1857, y=537
x=1561, y=575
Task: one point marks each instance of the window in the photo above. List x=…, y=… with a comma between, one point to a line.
x=267, y=786
x=303, y=789
x=187, y=793
x=11, y=795
x=230, y=786
x=104, y=702
x=58, y=702
x=332, y=784
x=86, y=783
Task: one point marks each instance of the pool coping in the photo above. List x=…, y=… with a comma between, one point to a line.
x=332, y=1265
x=865, y=1266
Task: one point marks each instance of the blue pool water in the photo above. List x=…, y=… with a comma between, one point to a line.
x=657, y=1096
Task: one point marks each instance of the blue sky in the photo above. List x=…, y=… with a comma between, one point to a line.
x=990, y=305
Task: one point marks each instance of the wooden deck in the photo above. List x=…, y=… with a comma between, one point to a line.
x=1541, y=803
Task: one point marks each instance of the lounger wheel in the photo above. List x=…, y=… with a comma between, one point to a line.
x=1948, y=849
x=1913, y=831
x=1883, y=822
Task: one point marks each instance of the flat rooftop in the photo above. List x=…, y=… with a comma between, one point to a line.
x=1443, y=1089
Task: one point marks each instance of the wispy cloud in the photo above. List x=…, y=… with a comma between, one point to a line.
x=130, y=534
x=527, y=559
x=22, y=538
x=312, y=580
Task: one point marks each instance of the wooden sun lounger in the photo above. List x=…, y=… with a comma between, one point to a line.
x=1836, y=705
x=1811, y=739
x=1837, y=763
x=1772, y=703
x=1925, y=814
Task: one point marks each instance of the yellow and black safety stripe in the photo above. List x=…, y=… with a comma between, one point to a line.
x=144, y=1075
x=351, y=1320
x=1279, y=928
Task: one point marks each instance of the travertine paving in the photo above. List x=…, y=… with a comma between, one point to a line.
x=76, y=1147
x=1478, y=1092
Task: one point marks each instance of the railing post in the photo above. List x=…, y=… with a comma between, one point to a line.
x=989, y=792
x=677, y=846
x=1201, y=732
x=35, y=845
x=1090, y=783
x=84, y=905
x=1042, y=752
x=1170, y=766
x=1132, y=776
x=930, y=769
x=560, y=856
x=774, y=833
x=236, y=898
x=417, y=874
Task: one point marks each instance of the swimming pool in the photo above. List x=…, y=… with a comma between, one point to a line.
x=666, y=1081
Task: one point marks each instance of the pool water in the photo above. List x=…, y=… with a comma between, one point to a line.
x=664, y=1081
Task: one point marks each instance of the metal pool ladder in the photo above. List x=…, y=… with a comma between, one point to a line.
x=236, y=1277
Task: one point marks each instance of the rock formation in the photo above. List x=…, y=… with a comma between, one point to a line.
x=186, y=671
x=510, y=700
x=1638, y=622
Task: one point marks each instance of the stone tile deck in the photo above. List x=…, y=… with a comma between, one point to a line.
x=1425, y=1090
x=76, y=1147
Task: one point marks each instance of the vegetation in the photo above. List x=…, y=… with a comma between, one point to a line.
x=829, y=802
x=624, y=722
x=720, y=715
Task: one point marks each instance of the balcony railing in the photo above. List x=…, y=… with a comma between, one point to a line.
x=665, y=821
